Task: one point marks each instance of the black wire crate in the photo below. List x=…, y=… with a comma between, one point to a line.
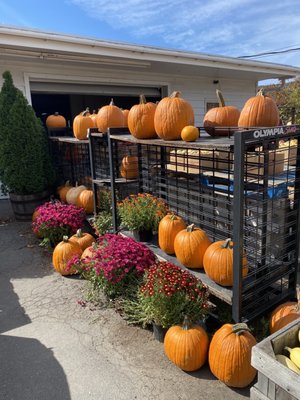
x=71, y=159
x=244, y=187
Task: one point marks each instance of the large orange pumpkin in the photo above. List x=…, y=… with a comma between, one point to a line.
x=284, y=314
x=172, y=114
x=186, y=346
x=229, y=355
x=141, y=119
x=84, y=239
x=56, y=121
x=109, y=116
x=85, y=200
x=81, y=124
x=260, y=110
x=129, y=167
x=94, y=118
x=190, y=245
x=218, y=262
x=168, y=228
x=217, y=120
x=125, y=114
x=63, y=253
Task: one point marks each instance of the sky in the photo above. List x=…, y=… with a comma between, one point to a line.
x=218, y=27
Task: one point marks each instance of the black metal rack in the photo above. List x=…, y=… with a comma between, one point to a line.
x=245, y=187
x=71, y=159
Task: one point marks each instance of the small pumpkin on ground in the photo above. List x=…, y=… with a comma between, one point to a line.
x=85, y=200
x=190, y=245
x=186, y=346
x=109, y=116
x=168, y=228
x=229, y=355
x=172, y=114
x=189, y=133
x=89, y=251
x=141, y=119
x=129, y=167
x=81, y=124
x=63, y=252
x=220, y=121
x=218, y=262
x=83, y=239
x=56, y=121
x=260, y=110
x=285, y=313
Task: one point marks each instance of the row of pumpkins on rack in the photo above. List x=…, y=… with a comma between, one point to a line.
x=173, y=118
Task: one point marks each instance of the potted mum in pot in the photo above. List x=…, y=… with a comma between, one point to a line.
x=141, y=213
x=26, y=170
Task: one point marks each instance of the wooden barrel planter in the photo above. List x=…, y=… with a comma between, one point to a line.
x=23, y=205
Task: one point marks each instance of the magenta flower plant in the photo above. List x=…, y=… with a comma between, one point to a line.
x=55, y=220
x=117, y=264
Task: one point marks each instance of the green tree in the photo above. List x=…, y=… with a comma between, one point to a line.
x=25, y=164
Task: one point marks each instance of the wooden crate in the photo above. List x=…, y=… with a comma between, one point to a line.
x=274, y=380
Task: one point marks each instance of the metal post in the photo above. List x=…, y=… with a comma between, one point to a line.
x=92, y=155
x=112, y=183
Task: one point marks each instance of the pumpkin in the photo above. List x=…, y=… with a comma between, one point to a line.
x=85, y=200
x=186, y=346
x=260, y=110
x=168, y=228
x=73, y=193
x=94, y=118
x=129, y=167
x=220, y=121
x=83, y=239
x=81, y=124
x=218, y=262
x=141, y=119
x=189, y=133
x=125, y=115
x=89, y=251
x=63, y=190
x=109, y=116
x=56, y=121
x=284, y=314
x=63, y=253
x=172, y=114
x=229, y=355
x=190, y=245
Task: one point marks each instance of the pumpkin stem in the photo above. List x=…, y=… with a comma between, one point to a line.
x=67, y=183
x=240, y=328
x=226, y=244
x=79, y=233
x=143, y=99
x=186, y=325
x=56, y=113
x=65, y=239
x=190, y=228
x=261, y=92
x=175, y=94
x=112, y=102
x=84, y=114
x=220, y=98
x=173, y=217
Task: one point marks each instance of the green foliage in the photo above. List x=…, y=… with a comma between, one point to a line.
x=102, y=223
x=25, y=164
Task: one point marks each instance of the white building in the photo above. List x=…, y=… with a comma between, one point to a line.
x=68, y=73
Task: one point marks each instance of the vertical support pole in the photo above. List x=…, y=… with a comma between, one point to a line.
x=238, y=225
x=92, y=157
x=112, y=183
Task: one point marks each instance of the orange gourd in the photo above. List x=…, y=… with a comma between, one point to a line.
x=221, y=121
x=109, y=116
x=56, y=121
x=190, y=245
x=229, y=355
x=218, y=262
x=129, y=167
x=81, y=124
x=73, y=193
x=89, y=251
x=125, y=114
x=168, y=228
x=284, y=314
x=189, y=133
x=186, y=346
x=260, y=110
x=63, y=190
x=94, y=118
x=172, y=114
x=141, y=119
x=85, y=200
x=83, y=239
x=62, y=253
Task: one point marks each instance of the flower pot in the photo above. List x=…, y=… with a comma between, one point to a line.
x=159, y=332
x=143, y=235
x=23, y=205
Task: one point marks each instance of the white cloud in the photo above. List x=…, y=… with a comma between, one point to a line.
x=228, y=27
